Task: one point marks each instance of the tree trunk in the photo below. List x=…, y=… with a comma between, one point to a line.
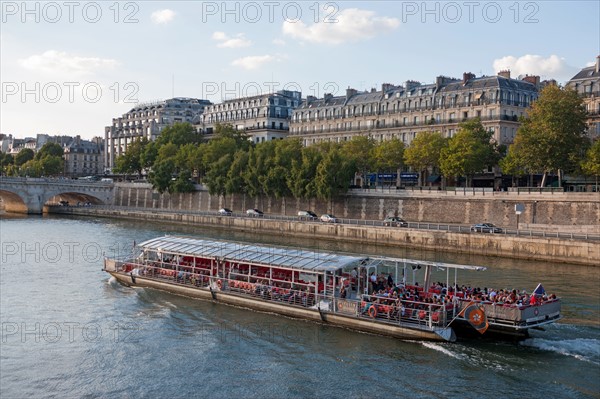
x=560, y=178
x=543, y=183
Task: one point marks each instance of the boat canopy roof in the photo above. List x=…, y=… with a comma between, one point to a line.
x=278, y=256
x=233, y=251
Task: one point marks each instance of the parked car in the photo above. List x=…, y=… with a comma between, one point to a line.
x=225, y=212
x=307, y=215
x=327, y=218
x=486, y=228
x=394, y=221
x=254, y=212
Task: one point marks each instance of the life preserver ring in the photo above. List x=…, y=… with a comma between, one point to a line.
x=422, y=314
x=435, y=316
x=536, y=311
x=373, y=311
x=219, y=284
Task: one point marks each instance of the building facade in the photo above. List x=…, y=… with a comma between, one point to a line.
x=587, y=84
x=263, y=117
x=148, y=120
x=84, y=157
x=403, y=111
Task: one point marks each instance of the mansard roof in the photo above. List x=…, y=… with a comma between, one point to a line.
x=586, y=73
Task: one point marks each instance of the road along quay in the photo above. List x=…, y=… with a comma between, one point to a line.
x=584, y=252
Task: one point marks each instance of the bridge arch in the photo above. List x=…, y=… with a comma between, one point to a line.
x=31, y=195
x=12, y=202
x=73, y=198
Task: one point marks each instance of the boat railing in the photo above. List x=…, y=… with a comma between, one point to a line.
x=386, y=310
x=520, y=314
x=393, y=311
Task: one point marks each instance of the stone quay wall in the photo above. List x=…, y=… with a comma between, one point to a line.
x=545, y=211
x=517, y=247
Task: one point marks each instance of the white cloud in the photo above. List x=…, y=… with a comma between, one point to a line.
x=279, y=42
x=352, y=25
x=59, y=62
x=552, y=67
x=254, y=61
x=162, y=16
x=219, y=36
x=231, y=42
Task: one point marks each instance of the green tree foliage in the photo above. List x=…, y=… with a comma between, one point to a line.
x=47, y=162
x=216, y=177
x=591, y=164
x=388, y=156
x=50, y=149
x=303, y=172
x=23, y=156
x=52, y=165
x=132, y=160
x=334, y=173
x=173, y=158
x=469, y=151
x=178, y=134
x=360, y=150
x=6, y=163
x=235, y=175
x=183, y=183
x=260, y=159
x=161, y=175
x=424, y=152
x=189, y=157
x=228, y=131
x=552, y=136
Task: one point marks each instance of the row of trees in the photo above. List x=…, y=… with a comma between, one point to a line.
x=48, y=161
x=551, y=139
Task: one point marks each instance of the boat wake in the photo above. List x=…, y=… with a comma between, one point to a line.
x=584, y=349
x=112, y=281
x=440, y=348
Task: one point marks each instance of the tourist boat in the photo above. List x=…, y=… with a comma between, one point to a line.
x=330, y=288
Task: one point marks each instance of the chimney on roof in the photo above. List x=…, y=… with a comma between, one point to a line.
x=328, y=96
x=598, y=64
x=310, y=99
x=411, y=84
x=349, y=93
x=386, y=87
x=505, y=73
x=467, y=76
x=533, y=79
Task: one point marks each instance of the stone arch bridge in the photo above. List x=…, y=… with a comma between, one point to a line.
x=29, y=195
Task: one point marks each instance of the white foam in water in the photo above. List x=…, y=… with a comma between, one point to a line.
x=112, y=280
x=440, y=348
x=585, y=349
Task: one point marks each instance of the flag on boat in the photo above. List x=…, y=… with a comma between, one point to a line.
x=539, y=290
x=475, y=315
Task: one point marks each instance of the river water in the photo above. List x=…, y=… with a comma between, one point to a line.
x=68, y=330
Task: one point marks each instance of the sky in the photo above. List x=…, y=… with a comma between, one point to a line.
x=68, y=68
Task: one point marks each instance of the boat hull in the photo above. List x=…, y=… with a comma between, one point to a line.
x=338, y=320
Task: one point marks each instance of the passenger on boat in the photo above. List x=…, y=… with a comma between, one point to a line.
x=343, y=292
x=373, y=280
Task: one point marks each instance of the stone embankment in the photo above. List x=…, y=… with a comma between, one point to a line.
x=576, y=212
x=518, y=247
